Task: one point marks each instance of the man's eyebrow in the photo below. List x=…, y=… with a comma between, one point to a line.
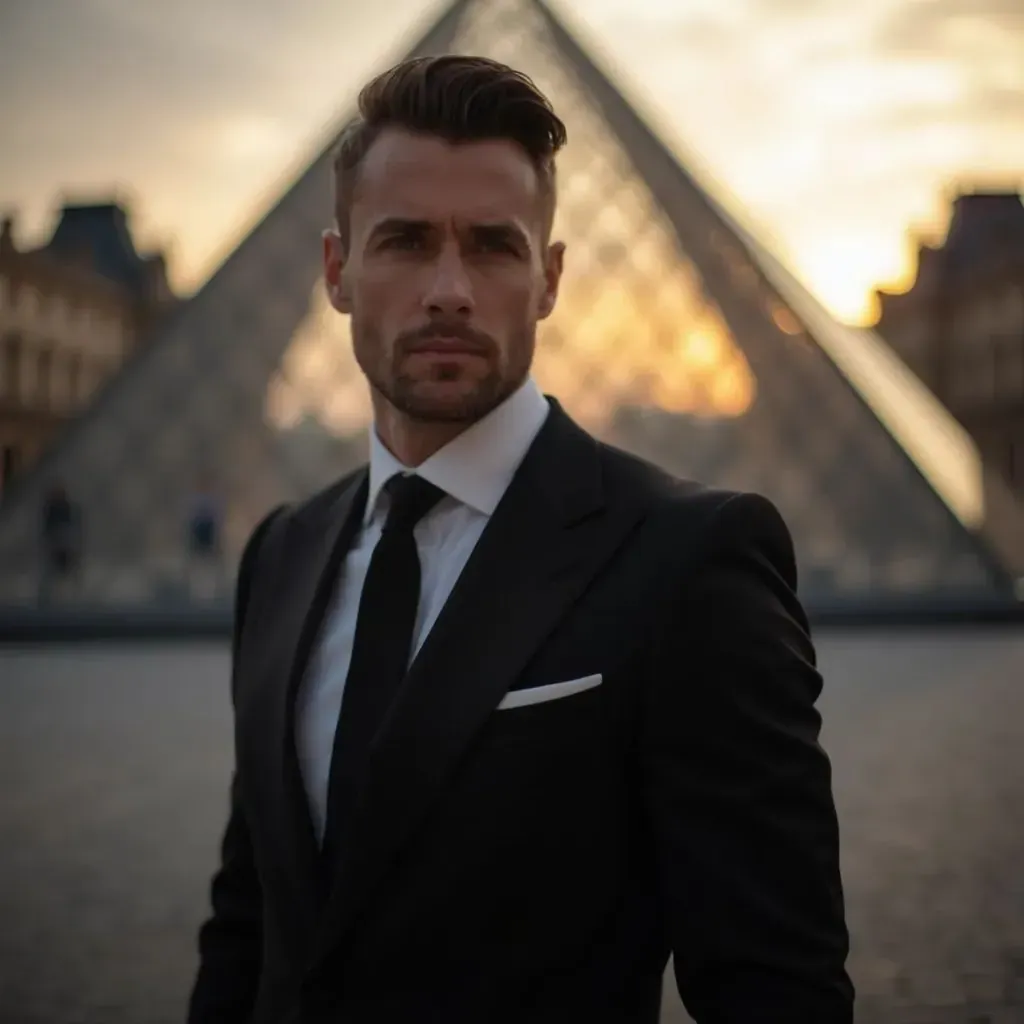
x=504, y=230
x=401, y=225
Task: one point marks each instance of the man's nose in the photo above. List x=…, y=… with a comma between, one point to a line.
x=450, y=291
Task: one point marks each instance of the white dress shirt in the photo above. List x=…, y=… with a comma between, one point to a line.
x=474, y=471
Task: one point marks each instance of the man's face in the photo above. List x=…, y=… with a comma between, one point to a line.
x=447, y=272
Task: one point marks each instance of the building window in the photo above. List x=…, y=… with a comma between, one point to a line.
x=118, y=339
x=966, y=328
x=59, y=382
x=44, y=378
x=30, y=303
x=74, y=380
x=1017, y=462
x=89, y=380
x=1010, y=367
x=57, y=315
x=8, y=463
x=911, y=343
x=100, y=335
x=1013, y=312
x=974, y=381
x=12, y=363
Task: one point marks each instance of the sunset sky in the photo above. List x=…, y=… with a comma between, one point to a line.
x=837, y=125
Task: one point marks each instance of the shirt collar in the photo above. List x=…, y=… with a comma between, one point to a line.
x=476, y=467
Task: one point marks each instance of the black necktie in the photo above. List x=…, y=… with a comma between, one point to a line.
x=380, y=651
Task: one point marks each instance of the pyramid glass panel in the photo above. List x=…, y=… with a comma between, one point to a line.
x=676, y=336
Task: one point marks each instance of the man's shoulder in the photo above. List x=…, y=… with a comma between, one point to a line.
x=629, y=477
x=679, y=503
x=321, y=501
x=280, y=520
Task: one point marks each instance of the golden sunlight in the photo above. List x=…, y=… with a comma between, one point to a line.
x=840, y=270
x=608, y=347
x=605, y=348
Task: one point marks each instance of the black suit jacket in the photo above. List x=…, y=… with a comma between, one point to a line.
x=539, y=864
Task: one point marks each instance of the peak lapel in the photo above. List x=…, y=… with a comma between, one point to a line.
x=549, y=535
x=322, y=537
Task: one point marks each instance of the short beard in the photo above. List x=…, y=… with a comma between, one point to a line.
x=402, y=391
x=489, y=393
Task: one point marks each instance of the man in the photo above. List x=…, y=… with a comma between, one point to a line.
x=205, y=523
x=517, y=715
x=61, y=542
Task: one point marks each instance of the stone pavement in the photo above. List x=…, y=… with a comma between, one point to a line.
x=114, y=762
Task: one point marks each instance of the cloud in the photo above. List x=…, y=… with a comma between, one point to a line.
x=923, y=24
x=821, y=113
x=981, y=107
x=865, y=86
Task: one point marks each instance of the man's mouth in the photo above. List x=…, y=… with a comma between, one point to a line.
x=447, y=346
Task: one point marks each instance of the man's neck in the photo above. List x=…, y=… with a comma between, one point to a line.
x=412, y=442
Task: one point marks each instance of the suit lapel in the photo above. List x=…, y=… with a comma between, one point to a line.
x=548, y=537
x=306, y=590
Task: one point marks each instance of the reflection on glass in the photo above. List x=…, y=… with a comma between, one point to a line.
x=935, y=441
x=319, y=377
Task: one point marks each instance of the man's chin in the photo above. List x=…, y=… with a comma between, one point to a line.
x=447, y=401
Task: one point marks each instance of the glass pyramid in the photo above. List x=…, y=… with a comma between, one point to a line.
x=678, y=336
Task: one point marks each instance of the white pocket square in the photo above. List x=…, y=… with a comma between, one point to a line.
x=553, y=691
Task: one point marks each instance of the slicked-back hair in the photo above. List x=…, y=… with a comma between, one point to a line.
x=458, y=99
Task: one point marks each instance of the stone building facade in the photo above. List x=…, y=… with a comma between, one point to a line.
x=71, y=312
x=960, y=327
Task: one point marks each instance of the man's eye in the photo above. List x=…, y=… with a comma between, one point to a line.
x=495, y=245
x=406, y=242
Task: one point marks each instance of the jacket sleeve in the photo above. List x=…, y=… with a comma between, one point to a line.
x=231, y=939
x=739, y=790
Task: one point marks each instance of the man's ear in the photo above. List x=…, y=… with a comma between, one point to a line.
x=334, y=272
x=553, y=263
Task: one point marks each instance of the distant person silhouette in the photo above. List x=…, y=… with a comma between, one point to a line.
x=205, y=533
x=61, y=541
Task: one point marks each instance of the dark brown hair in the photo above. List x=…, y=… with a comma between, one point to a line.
x=459, y=99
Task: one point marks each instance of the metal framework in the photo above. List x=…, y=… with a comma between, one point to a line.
x=678, y=336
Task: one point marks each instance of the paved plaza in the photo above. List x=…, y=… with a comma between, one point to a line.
x=114, y=762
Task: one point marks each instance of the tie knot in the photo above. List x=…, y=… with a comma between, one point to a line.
x=411, y=499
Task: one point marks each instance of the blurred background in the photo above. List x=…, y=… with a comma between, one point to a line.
x=795, y=265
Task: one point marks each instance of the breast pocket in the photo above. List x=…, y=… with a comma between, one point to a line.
x=533, y=695
x=553, y=719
